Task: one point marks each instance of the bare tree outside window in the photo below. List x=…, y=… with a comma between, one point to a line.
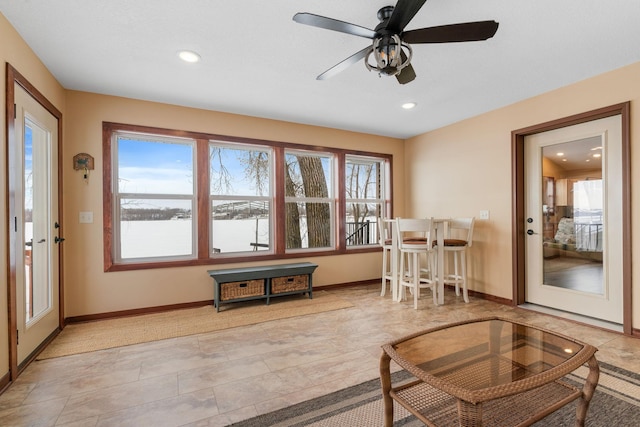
x=240, y=192
x=308, y=204
x=364, y=199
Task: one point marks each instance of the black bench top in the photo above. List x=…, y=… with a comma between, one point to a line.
x=261, y=272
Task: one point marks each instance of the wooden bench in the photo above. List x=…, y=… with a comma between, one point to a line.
x=261, y=282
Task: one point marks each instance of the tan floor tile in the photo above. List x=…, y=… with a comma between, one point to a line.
x=75, y=365
x=300, y=355
x=16, y=394
x=37, y=414
x=238, y=394
x=174, y=411
x=173, y=362
x=87, y=422
x=231, y=371
x=334, y=369
x=80, y=384
x=120, y=397
x=226, y=376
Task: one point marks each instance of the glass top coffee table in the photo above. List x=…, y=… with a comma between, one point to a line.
x=487, y=372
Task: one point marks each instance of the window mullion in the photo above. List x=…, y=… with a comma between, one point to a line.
x=341, y=240
x=279, y=239
x=203, y=206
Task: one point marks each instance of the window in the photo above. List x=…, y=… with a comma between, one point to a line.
x=240, y=186
x=174, y=198
x=309, y=204
x=364, y=197
x=588, y=209
x=154, y=198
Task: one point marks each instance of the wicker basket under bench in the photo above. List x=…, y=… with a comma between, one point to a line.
x=261, y=282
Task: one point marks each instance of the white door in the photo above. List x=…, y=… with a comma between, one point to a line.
x=36, y=226
x=574, y=219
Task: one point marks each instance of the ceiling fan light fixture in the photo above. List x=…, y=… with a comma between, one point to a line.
x=386, y=51
x=389, y=56
x=189, y=56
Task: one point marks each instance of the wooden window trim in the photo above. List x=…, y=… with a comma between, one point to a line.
x=202, y=203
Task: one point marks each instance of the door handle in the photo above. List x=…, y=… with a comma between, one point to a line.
x=531, y=232
x=41, y=241
x=59, y=239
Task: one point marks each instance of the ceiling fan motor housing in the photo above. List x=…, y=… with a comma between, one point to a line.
x=385, y=13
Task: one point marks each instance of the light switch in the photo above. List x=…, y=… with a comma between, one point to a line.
x=484, y=214
x=86, y=217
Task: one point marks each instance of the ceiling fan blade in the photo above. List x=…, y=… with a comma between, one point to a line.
x=465, y=32
x=403, y=12
x=406, y=75
x=341, y=66
x=333, y=24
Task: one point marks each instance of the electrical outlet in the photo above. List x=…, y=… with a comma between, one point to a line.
x=86, y=217
x=484, y=214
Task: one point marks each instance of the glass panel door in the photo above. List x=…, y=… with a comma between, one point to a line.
x=37, y=219
x=573, y=215
x=35, y=179
x=573, y=211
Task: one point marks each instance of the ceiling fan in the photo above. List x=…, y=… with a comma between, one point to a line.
x=391, y=47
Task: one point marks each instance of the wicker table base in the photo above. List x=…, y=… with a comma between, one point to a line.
x=512, y=379
x=436, y=408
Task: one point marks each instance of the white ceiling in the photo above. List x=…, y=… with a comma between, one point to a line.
x=257, y=61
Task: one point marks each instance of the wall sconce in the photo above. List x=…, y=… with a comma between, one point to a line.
x=84, y=162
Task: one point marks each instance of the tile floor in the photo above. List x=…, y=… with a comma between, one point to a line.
x=218, y=378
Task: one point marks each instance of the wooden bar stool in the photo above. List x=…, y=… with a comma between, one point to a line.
x=414, y=243
x=458, y=239
x=385, y=227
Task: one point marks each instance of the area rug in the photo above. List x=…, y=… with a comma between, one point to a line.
x=102, y=334
x=616, y=402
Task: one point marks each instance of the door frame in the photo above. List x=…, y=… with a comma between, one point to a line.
x=518, y=200
x=13, y=77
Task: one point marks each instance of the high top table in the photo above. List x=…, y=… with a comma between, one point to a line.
x=440, y=225
x=487, y=372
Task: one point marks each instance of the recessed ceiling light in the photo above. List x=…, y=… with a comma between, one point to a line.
x=409, y=105
x=596, y=148
x=189, y=56
x=559, y=154
x=596, y=155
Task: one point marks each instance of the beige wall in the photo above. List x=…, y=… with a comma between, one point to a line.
x=89, y=290
x=16, y=52
x=457, y=170
x=461, y=169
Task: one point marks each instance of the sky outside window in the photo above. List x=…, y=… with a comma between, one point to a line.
x=154, y=167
